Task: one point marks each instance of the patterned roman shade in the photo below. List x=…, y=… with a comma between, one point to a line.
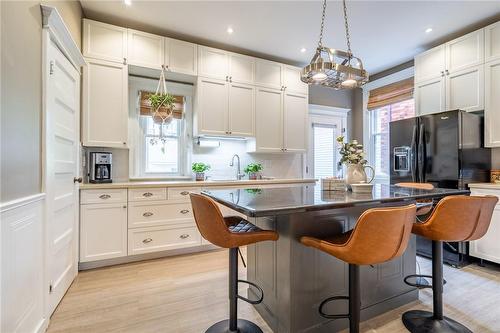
x=390, y=94
x=145, y=106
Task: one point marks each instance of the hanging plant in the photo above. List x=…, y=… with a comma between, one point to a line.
x=162, y=103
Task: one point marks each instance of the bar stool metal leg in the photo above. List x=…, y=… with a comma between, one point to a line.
x=233, y=324
x=418, y=321
x=354, y=299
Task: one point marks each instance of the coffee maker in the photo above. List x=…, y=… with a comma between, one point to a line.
x=100, y=167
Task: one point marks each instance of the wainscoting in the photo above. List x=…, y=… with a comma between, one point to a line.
x=22, y=265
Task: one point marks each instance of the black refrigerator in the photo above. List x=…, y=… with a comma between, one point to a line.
x=445, y=149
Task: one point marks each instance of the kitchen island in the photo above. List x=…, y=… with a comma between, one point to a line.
x=295, y=278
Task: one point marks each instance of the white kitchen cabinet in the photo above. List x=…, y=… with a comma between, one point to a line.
x=181, y=57
x=465, y=52
x=213, y=63
x=103, y=231
x=104, y=104
x=492, y=103
x=269, y=120
x=145, y=49
x=295, y=122
x=154, y=239
x=492, y=42
x=465, y=89
x=268, y=74
x=241, y=107
x=430, y=96
x=212, y=106
x=430, y=64
x=291, y=80
x=104, y=41
x=241, y=68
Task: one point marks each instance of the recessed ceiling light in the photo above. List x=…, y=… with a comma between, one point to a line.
x=303, y=50
x=428, y=30
x=229, y=30
x=127, y=2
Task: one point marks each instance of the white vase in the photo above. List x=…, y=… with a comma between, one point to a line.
x=356, y=174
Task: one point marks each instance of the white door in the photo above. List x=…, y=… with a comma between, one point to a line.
x=145, y=50
x=292, y=82
x=323, y=156
x=62, y=118
x=295, y=109
x=268, y=74
x=181, y=57
x=104, y=41
x=269, y=120
x=212, y=63
x=492, y=42
x=430, y=96
x=241, y=68
x=105, y=105
x=465, y=51
x=492, y=104
x=212, y=106
x=241, y=109
x=465, y=89
x=430, y=64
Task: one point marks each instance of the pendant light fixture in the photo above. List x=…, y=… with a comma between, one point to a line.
x=334, y=68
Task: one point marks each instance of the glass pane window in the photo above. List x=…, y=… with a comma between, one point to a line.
x=380, y=145
x=325, y=163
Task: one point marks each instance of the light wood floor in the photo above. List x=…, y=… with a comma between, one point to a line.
x=188, y=293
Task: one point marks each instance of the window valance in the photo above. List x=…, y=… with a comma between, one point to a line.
x=390, y=94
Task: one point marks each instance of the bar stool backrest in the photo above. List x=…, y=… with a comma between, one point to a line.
x=459, y=218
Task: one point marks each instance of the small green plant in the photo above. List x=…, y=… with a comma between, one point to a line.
x=351, y=152
x=157, y=100
x=253, y=191
x=253, y=168
x=199, y=167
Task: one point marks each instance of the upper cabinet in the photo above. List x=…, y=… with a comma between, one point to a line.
x=104, y=41
x=145, y=50
x=213, y=63
x=492, y=42
x=181, y=57
x=430, y=64
x=268, y=74
x=492, y=104
x=241, y=68
x=291, y=80
x=465, y=52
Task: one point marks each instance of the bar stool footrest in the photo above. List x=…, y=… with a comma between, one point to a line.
x=418, y=321
x=333, y=316
x=420, y=283
x=257, y=301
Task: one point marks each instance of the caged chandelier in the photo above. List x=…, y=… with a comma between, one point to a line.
x=334, y=68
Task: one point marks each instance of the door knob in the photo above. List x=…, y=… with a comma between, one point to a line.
x=77, y=180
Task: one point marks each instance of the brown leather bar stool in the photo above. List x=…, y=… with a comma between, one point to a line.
x=424, y=206
x=455, y=219
x=380, y=235
x=229, y=232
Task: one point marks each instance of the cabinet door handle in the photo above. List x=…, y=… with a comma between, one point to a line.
x=227, y=78
x=124, y=61
x=147, y=194
x=447, y=72
x=184, y=211
x=147, y=240
x=147, y=214
x=104, y=196
x=184, y=193
x=184, y=236
x=77, y=180
x=124, y=206
x=442, y=73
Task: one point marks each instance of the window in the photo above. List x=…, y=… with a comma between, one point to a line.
x=380, y=119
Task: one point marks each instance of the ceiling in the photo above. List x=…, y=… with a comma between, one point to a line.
x=383, y=33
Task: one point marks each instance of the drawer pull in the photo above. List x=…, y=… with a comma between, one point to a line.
x=184, y=236
x=147, y=214
x=147, y=240
x=104, y=196
x=184, y=193
x=184, y=211
x=147, y=194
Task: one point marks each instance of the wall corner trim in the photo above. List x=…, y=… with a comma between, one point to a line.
x=60, y=34
x=17, y=203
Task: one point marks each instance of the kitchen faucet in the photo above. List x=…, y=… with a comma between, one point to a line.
x=239, y=175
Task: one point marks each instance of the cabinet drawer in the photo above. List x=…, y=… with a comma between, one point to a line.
x=103, y=196
x=147, y=194
x=484, y=191
x=155, y=239
x=181, y=193
x=159, y=213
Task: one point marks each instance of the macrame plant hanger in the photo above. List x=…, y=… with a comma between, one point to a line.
x=162, y=114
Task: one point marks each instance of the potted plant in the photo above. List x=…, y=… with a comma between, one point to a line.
x=199, y=169
x=162, y=106
x=253, y=170
x=353, y=157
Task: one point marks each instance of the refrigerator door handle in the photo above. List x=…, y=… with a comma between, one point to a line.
x=421, y=154
x=414, y=154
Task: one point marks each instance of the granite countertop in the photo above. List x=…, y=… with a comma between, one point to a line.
x=493, y=186
x=272, y=201
x=192, y=183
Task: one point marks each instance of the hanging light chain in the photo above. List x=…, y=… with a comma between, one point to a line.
x=347, y=35
x=320, y=41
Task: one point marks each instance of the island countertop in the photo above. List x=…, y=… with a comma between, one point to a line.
x=274, y=201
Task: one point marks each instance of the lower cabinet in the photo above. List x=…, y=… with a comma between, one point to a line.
x=154, y=239
x=103, y=231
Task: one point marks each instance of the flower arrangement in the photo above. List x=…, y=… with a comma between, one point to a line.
x=351, y=152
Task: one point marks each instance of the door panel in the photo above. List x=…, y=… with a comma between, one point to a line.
x=241, y=109
x=492, y=42
x=492, y=104
x=62, y=120
x=465, y=89
x=212, y=106
x=403, y=150
x=292, y=80
x=295, y=122
x=212, y=63
x=430, y=64
x=269, y=120
x=465, y=51
x=430, y=96
x=104, y=41
x=241, y=68
x=145, y=50
x=181, y=57
x=268, y=74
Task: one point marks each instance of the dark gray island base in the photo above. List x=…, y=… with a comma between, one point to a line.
x=295, y=278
